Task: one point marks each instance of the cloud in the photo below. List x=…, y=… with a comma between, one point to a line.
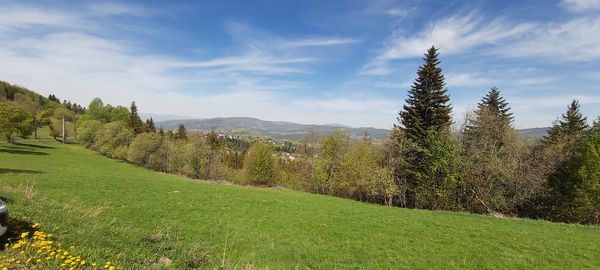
x=466, y=79
x=350, y=104
x=581, y=5
x=387, y=7
x=574, y=40
x=117, y=9
x=452, y=35
x=16, y=18
x=313, y=42
x=53, y=54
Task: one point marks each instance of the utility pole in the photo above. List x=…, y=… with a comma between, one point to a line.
x=64, y=134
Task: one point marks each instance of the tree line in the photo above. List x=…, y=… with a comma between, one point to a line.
x=483, y=166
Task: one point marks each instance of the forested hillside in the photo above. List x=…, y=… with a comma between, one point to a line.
x=23, y=112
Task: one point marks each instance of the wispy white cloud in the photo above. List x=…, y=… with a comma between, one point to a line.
x=581, y=5
x=54, y=54
x=451, y=35
x=16, y=18
x=349, y=104
x=387, y=7
x=574, y=40
x=314, y=42
x=466, y=79
x=118, y=9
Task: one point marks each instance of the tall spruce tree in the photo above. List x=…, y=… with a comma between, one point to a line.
x=150, y=125
x=423, y=131
x=427, y=107
x=135, y=122
x=571, y=125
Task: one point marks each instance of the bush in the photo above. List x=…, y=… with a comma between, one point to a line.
x=87, y=130
x=259, y=166
x=143, y=147
x=113, y=140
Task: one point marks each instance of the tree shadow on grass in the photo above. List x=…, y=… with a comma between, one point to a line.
x=16, y=226
x=34, y=145
x=18, y=171
x=22, y=152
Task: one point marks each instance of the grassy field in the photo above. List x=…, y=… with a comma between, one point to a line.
x=111, y=210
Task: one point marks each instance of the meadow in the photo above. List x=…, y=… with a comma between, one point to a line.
x=112, y=210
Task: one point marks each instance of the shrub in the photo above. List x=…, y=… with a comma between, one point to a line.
x=259, y=165
x=143, y=147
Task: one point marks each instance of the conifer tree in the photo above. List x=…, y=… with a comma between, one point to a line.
x=427, y=107
x=181, y=133
x=491, y=120
x=150, y=125
x=596, y=124
x=491, y=154
x=571, y=125
x=496, y=104
x=424, y=125
x=135, y=122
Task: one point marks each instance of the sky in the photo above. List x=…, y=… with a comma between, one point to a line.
x=323, y=62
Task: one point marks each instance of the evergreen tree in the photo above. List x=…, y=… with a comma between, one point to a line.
x=596, y=124
x=181, y=133
x=135, y=122
x=491, y=153
x=161, y=131
x=571, y=125
x=496, y=104
x=574, y=189
x=427, y=107
x=491, y=121
x=425, y=115
x=150, y=125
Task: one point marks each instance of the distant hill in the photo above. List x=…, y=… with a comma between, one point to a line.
x=247, y=126
x=533, y=133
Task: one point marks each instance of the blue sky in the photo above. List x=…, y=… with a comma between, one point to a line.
x=346, y=62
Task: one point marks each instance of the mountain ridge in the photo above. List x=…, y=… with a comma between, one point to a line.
x=250, y=126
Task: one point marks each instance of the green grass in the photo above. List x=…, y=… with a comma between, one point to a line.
x=113, y=210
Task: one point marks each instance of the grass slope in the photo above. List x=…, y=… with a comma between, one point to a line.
x=114, y=210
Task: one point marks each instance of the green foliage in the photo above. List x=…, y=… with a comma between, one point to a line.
x=143, y=147
x=364, y=178
x=135, y=122
x=329, y=163
x=493, y=155
x=496, y=105
x=438, y=180
x=427, y=106
x=259, y=165
x=97, y=111
x=87, y=129
x=14, y=122
x=574, y=189
x=119, y=113
x=113, y=140
x=181, y=133
x=150, y=125
x=571, y=125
